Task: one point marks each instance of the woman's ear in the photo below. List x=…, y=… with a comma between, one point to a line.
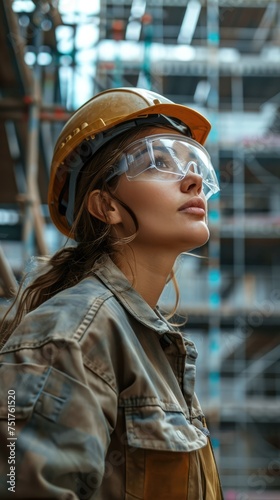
x=103, y=207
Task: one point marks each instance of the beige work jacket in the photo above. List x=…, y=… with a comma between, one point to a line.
x=101, y=390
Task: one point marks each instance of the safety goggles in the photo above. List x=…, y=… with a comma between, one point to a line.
x=166, y=158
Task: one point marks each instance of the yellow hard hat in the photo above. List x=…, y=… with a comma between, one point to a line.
x=96, y=122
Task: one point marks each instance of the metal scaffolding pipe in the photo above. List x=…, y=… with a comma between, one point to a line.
x=17, y=103
x=18, y=109
x=214, y=273
x=43, y=116
x=33, y=214
x=9, y=282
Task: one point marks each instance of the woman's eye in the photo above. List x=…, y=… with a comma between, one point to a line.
x=161, y=164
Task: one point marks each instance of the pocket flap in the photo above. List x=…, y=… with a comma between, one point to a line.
x=20, y=387
x=151, y=427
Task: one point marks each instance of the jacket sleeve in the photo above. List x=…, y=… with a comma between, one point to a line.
x=56, y=417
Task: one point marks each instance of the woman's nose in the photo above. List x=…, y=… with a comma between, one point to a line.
x=192, y=182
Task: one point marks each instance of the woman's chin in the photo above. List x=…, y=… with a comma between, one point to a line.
x=199, y=238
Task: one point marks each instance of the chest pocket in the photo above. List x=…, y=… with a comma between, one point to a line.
x=158, y=427
x=161, y=445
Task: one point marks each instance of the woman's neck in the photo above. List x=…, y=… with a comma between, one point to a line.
x=147, y=273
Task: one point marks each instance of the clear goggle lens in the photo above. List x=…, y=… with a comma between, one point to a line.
x=167, y=158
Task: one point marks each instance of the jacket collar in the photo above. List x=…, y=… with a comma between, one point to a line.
x=131, y=300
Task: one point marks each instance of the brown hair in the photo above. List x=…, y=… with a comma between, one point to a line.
x=71, y=264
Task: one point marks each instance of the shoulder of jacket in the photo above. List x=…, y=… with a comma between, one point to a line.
x=65, y=316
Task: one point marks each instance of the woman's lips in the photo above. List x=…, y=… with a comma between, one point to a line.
x=194, y=206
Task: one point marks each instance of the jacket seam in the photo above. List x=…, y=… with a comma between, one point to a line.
x=75, y=336
x=90, y=315
x=87, y=366
x=35, y=345
x=149, y=401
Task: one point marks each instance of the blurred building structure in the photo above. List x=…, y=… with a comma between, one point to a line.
x=221, y=57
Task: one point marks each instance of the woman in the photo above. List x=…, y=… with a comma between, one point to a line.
x=103, y=384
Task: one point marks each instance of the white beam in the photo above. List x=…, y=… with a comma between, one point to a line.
x=189, y=22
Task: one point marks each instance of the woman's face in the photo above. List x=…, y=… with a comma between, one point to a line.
x=171, y=215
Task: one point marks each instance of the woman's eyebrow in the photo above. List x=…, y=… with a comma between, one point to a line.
x=139, y=153
x=164, y=149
